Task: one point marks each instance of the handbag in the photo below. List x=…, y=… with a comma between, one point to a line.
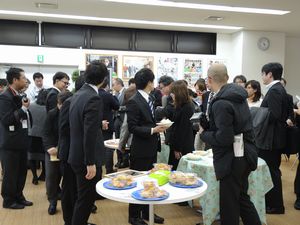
x=293, y=141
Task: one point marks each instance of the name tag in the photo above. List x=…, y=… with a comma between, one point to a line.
x=11, y=128
x=24, y=124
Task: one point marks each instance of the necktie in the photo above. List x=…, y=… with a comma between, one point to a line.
x=151, y=106
x=210, y=97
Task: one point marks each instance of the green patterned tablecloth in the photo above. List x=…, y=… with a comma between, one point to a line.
x=260, y=183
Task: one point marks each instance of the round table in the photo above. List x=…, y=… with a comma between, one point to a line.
x=175, y=194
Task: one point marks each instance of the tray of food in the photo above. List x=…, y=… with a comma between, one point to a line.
x=151, y=192
x=120, y=182
x=184, y=180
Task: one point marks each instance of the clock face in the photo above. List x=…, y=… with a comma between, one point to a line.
x=263, y=43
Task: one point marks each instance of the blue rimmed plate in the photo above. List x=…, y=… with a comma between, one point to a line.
x=198, y=184
x=109, y=185
x=137, y=195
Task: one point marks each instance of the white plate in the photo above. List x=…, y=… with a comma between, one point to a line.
x=165, y=124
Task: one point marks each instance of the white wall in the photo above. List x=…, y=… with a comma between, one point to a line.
x=254, y=58
x=292, y=65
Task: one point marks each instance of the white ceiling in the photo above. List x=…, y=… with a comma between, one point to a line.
x=286, y=23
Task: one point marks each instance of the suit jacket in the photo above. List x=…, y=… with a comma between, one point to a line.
x=38, y=113
x=51, y=100
x=64, y=131
x=290, y=108
x=85, y=118
x=276, y=102
x=140, y=121
x=110, y=103
x=14, y=136
x=50, y=138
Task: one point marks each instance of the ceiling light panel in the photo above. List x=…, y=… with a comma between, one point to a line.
x=201, y=6
x=117, y=20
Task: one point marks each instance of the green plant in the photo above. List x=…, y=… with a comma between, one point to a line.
x=75, y=75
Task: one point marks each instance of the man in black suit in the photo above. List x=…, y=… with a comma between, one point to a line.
x=276, y=102
x=110, y=103
x=230, y=117
x=86, y=155
x=14, y=118
x=145, y=142
x=53, y=176
x=290, y=102
x=60, y=84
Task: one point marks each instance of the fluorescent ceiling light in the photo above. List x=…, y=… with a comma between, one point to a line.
x=116, y=20
x=201, y=6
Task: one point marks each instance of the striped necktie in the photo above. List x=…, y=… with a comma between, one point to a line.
x=151, y=106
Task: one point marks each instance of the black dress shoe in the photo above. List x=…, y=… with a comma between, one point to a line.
x=25, y=202
x=297, y=204
x=182, y=203
x=270, y=210
x=90, y=224
x=137, y=221
x=14, y=205
x=35, y=181
x=94, y=209
x=157, y=219
x=42, y=177
x=52, y=209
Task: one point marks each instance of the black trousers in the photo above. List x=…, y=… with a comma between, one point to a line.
x=14, y=165
x=274, y=198
x=53, y=178
x=86, y=194
x=234, y=200
x=141, y=164
x=68, y=192
x=297, y=182
x=109, y=153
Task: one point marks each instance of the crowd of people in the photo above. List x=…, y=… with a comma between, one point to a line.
x=64, y=133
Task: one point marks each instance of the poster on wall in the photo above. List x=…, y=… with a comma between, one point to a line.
x=167, y=66
x=111, y=61
x=132, y=64
x=193, y=70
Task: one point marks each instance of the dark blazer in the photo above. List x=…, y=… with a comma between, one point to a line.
x=14, y=137
x=182, y=138
x=110, y=103
x=140, y=121
x=290, y=108
x=276, y=102
x=51, y=100
x=64, y=131
x=50, y=137
x=85, y=117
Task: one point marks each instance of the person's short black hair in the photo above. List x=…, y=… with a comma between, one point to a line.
x=95, y=73
x=131, y=81
x=275, y=68
x=119, y=81
x=256, y=86
x=42, y=96
x=79, y=82
x=60, y=76
x=37, y=75
x=241, y=77
x=3, y=82
x=165, y=80
x=63, y=96
x=13, y=73
x=142, y=78
x=104, y=83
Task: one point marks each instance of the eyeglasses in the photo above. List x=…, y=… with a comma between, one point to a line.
x=65, y=82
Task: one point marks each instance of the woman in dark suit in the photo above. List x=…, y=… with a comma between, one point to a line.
x=181, y=139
